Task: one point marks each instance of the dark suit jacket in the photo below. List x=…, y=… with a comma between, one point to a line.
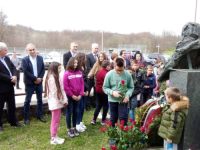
x=127, y=62
x=5, y=81
x=66, y=58
x=90, y=61
x=27, y=68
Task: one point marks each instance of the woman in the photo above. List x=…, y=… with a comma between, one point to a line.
x=139, y=58
x=113, y=57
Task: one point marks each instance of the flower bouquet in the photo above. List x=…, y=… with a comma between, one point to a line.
x=143, y=69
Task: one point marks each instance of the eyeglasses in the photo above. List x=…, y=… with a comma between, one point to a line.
x=119, y=70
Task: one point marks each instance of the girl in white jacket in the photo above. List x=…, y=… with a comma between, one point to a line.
x=56, y=99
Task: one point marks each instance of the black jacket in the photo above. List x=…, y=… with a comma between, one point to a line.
x=90, y=61
x=5, y=79
x=27, y=68
x=85, y=78
x=66, y=58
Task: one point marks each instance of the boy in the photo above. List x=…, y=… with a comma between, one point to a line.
x=149, y=85
x=138, y=81
x=173, y=118
x=102, y=98
x=156, y=66
x=129, y=69
x=112, y=87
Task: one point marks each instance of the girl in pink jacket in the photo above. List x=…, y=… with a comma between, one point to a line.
x=74, y=88
x=56, y=99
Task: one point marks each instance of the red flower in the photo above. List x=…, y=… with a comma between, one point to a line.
x=130, y=120
x=148, y=131
x=142, y=65
x=110, y=124
x=113, y=147
x=126, y=129
x=131, y=127
x=103, y=129
x=121, y=127
x=122, y=81
x=142, y=128
x=122, y=122
x=103, y=148
x=134, y=122
x=116, y=124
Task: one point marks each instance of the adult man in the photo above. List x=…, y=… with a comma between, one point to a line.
x=71, y=53
x=123, y=55
x=33, y=68
x=17, y=64
x=91, y=59
x=8, y=77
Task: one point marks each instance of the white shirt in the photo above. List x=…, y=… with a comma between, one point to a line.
x=95, y=56
x=34, y=63
x=73, y=55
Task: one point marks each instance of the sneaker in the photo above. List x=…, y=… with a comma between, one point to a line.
x=60, y=139
x=93, y=122
x=79, y=128
x=108, y=116
x=103, y=122
x=70, y=133
x=100, y=115
x=56, y=141
x=76, y=132
x=82, y=125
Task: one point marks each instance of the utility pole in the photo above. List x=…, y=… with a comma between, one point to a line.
x=195, y=12
x=158, y=48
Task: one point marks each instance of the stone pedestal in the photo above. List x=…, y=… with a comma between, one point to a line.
x=188, y=81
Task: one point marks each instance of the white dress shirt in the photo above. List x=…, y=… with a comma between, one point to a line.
x=34, y=63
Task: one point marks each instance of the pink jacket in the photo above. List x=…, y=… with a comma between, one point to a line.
x=53, y=101
x=73, y=83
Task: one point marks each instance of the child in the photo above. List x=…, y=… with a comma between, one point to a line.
x=102, y=98
x=129, y=69
x=138, y=81
x=74, y=88
x=156, y=66
x=173, y=118
x=156, y=90
x=81, y=57
x=56, y=99
x=149, y=85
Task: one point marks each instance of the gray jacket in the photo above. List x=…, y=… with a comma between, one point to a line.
x=16, y=61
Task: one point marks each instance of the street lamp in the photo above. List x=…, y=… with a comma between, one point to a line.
x=158, y=48
x=195, y=12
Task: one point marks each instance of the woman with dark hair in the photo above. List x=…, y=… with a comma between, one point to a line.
x=113, y=57
x=139, y=58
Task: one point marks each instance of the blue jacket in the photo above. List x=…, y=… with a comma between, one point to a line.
x=127, y=62
x=27, y=68
x=151, y=82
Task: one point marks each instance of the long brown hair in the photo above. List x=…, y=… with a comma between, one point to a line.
x=81, y=57
x=53, y=70
x=70, y=65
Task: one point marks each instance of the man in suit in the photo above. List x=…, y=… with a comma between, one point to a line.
x=8, y=77
x=71, y=53
x=91, y=59
x=33, y=68
x=123, y=55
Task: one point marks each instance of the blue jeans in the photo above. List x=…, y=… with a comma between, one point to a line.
x=81, y=109
x=72, y=107
x=132, y=113
x=29, y=89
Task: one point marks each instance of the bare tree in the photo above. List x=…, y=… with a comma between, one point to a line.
x=3, y=25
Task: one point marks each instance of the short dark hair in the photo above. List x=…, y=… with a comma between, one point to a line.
x=135, y=61
x=121, y=52
x=105, y=63
x=119, y=62
x=70, y=65
x=128, y=68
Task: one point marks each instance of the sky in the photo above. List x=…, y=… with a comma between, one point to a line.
x=117, y=16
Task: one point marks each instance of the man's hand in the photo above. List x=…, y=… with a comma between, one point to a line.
x=17, y=69
x=79, y=97
x=38, y=81
x=66, y=104
x=13, y=79
x=116, y=94
x=125, y=100
x=85, y=93
x=75, y=98
x=169, y=141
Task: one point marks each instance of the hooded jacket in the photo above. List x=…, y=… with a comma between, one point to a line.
x=173, y=120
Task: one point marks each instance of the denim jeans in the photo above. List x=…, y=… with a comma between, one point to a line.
x=72, y=107
x=102, y=101
x=29, y=89
x=118, y=110
x=81, y=109
x=132, y=113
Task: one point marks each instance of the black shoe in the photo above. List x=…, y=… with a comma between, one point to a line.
x=17, y=124
x=26, y=122
x=19, y=88
x=1, y=128
x=41, y=119
x=87, y=108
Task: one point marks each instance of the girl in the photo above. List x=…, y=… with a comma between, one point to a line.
x=81, y=57
x=173, y=118
x=56, y=99
x=74, y=88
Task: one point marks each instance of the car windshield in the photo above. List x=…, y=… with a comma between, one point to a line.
x=45, y=56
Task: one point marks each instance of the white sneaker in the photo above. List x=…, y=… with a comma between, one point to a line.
x=100, y=115
x=56, y=141
x=82, y=125
x=60, y=139
x=79, y=128
x=108, y=116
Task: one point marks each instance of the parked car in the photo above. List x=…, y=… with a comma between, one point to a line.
x=155, y=56
x=149, y=61
x=47, y=60
x=167, y=57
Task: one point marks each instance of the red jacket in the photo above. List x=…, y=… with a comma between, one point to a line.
x=100, y=79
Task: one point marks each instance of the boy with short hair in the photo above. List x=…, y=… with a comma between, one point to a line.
x=156, y=66
x=129, y=69
x=102, y=98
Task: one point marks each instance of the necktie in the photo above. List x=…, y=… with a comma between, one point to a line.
x=96, y=56
x=3, y=61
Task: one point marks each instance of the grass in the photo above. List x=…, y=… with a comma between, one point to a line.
x=37, y=136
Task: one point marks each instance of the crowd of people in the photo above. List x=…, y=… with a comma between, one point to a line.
x=72, y=91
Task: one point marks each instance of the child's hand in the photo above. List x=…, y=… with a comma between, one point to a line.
x=125, y=100
x=85, y=93
x=169, y=141
x=66, y=104
x=75, y=98
x=116, y=94
x=79, y=97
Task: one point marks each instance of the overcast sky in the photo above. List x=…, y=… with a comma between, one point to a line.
x=118, y=16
